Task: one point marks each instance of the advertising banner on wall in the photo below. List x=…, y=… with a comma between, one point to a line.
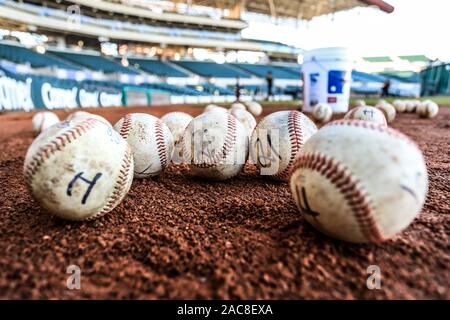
x=22, y=93
x=15, y=94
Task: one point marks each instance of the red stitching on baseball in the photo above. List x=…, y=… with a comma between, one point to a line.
x=126, y=126
x=56, y=144
x=352, y=190
x=351, y=113
x=230, y=141
x=161, y=143
x=296, y=139
x=119, y=187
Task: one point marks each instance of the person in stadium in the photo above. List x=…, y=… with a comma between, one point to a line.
x=269, y=80
x=386, y=86
x=237, y=89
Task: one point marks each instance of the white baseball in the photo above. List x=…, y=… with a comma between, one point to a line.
x=427, y=109
x=245, y=118
x=214, y=108
x=81, y=115
x=410, y=105
x=399, y=105
x=388, y=111
x=238, y=105
x=43, y=120
x=359, y=181
x=79, y=170
x=276, y=141
x=177, y=123
x=322, y=112
x=360, y=103
x=215, y=145
x=150, y=140
x=78, y=114
x=254, y=108
x=367, y=113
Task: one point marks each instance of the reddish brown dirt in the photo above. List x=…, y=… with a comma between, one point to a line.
x=177, y=237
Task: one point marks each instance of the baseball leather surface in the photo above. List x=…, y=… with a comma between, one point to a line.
x=399, y=105
x=367, y=113
x=254, y=108
x=43, y=120
x=177, y=123
x=245, y=118
x=79, y=170
x=322, y=112
x=388, y=111
x=276, y=141
x=427, y=109
x=215, y=145
x=150, y=140
x=214, y=108
x=81, y=115
x=359, y=181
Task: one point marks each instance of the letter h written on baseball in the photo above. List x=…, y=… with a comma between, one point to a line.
x=90, y=183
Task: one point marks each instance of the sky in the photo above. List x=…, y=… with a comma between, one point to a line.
x=415, y=27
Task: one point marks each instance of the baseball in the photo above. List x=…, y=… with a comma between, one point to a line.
x=79, y=170
x=81, y=115
x=215, y=145
x=245, y=118
x=388, y=111
x=367, y=113
x=43, y=120
x=254, y=108
x=322, y=112
x=359, y=181
x=150, y=140
x=399, y=105
x=177, y=123
x=417, y=103
x=410, y=106
x=277, y=139
x=238, y=105
x=427, y=109
x=360, y=103
x=214, y=108
x=78, y=114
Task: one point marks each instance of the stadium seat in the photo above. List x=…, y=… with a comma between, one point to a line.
x=261, y=70
x=212, y=69
x=21, y=55
x=94, y=62
x=156, y=67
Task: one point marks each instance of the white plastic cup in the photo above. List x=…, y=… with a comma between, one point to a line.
x=327, y=74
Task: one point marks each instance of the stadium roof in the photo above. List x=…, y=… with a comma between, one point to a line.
x=302, y=9
x=413, y=58
x=378, y=59
x=416, y=58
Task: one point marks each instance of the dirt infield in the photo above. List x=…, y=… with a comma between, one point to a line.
x=178, y=237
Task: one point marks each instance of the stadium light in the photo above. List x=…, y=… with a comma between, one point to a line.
x=125, y=62
x=40, y=49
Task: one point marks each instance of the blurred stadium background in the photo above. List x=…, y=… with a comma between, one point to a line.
x=85, y=53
